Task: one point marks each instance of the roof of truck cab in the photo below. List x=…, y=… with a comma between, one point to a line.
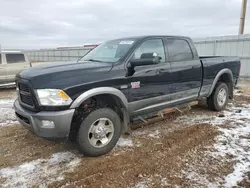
x=152, y=36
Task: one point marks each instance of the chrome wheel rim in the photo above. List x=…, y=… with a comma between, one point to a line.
x=222, y=96
x=101, y=132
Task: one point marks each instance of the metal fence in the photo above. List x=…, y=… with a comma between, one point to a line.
x=59, y=54
x=235, y=45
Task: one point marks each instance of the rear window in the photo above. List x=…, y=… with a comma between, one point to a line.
x=179, y=50
x=15, y=58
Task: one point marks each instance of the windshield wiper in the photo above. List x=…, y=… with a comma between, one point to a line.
x=93, y=60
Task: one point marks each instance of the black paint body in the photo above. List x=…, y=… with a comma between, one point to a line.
x=180, y=78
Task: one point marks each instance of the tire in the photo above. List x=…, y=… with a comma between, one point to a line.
x=98, y=125
x=215, y=101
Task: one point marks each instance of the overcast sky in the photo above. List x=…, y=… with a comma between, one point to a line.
x=52, y=23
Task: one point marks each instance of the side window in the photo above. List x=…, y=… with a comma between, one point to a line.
x=151, y=46
x=179, y=50
x=15, y=58
x=0, y=59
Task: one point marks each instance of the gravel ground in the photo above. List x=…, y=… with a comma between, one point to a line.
x=196, y=148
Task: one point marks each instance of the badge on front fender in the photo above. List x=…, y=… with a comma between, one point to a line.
x=135, y=85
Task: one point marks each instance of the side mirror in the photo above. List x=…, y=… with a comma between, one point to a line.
x=146, y=59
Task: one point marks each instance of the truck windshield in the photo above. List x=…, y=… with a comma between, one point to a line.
x=110, y=51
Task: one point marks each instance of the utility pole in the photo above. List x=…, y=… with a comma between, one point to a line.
x=242, y=17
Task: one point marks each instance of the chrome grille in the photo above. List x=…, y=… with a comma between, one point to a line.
x=25, y=94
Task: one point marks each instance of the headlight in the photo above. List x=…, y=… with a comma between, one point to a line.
x=53, y=97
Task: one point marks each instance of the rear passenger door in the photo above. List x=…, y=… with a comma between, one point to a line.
x=186, y=70
x=2, y=70
x=16, y=62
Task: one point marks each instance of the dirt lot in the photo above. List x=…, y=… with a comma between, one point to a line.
x=196, y=148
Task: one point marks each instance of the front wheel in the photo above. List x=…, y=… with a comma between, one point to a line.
x=99, y=132
x=219, y=98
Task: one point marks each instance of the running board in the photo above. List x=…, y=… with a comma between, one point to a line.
x=157, y=116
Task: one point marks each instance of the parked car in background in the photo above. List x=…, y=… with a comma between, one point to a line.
x=11, y=63
x=97, y=97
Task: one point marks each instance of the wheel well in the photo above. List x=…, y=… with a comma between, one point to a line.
x=92, y=103
x=226, y=78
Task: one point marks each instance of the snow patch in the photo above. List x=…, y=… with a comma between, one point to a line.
x=164, y=182
x=7, y=102
x=198, y=178
x=8, y=123
x=125, y=142
x=7, y=117
x=192, y=119
x=234, y=141
x=238, y=174
x=144, y=183
x=240, y=93
x=152, y=132
x=232, y=114
x=40, y=171
x=155, y=134
x=140, y=132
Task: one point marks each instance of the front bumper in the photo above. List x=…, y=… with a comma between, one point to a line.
x=34, y=121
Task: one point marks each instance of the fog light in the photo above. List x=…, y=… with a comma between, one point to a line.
x=48, y=124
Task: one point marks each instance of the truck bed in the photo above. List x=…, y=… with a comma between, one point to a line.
x=212, y=65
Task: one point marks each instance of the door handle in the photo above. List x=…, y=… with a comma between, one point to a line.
x=162, y=71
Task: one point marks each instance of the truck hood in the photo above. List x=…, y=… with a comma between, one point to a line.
x=63, y=74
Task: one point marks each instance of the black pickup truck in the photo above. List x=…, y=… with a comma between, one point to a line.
x=96, y=97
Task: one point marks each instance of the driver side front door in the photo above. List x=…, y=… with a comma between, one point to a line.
x=149, y=85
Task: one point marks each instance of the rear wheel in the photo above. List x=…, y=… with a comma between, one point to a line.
x=99, y=132
x=219, y=98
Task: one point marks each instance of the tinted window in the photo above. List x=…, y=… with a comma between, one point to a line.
x=151, y=46
x=179, y=50
x=15, y=58
x=0, y=59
